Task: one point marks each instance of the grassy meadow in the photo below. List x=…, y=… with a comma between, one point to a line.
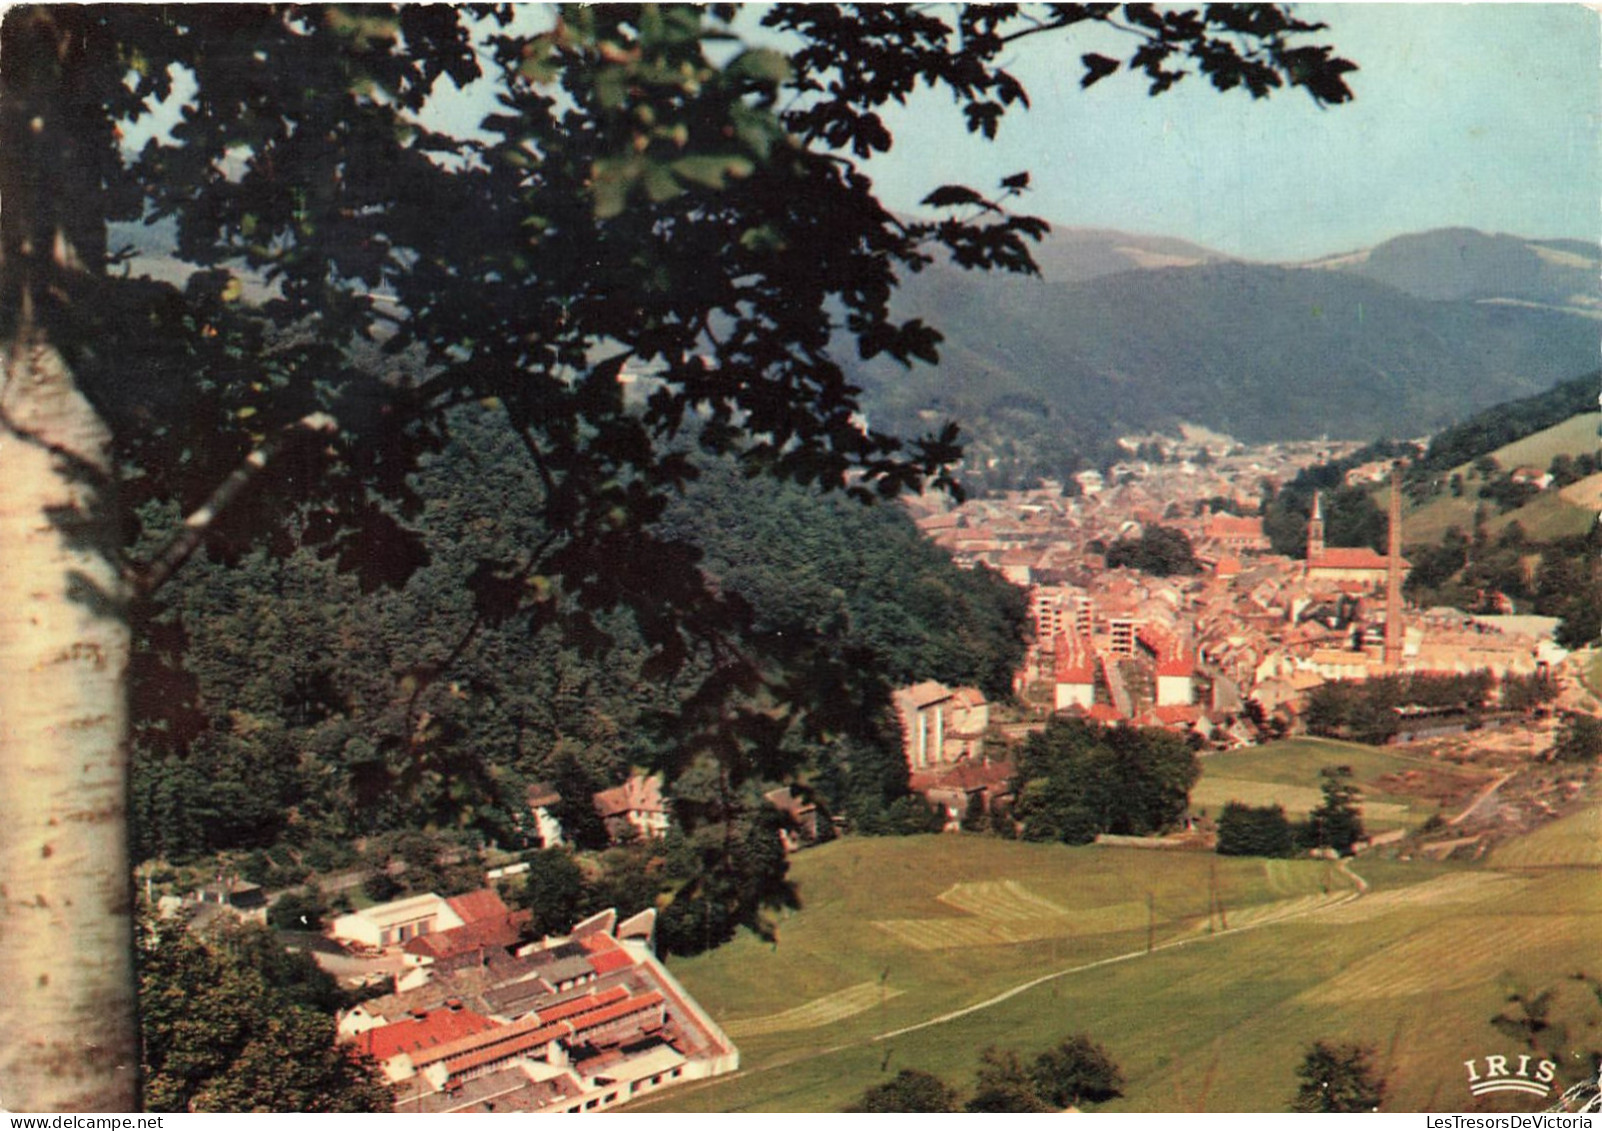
x=898, y=931
x=1287, y=772
x=1549, y=515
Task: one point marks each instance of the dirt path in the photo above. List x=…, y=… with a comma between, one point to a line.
x=1482, y=797
x=1360, y=888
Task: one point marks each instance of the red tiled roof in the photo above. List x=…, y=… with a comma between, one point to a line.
x=964, y=775
x=637, y=795
x=531, y=1038
x=1076, y=661
x=498, y=1037
x=1352, y=557
x=1175, y=715
x=435, y=1027
x=1182, y=663
x=506, y=1049
x=575, y=1006
x=501, y=931
x=606, y=954
x=472, y=906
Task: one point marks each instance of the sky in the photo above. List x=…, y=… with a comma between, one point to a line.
x=1475, y=115
x=1486, y=116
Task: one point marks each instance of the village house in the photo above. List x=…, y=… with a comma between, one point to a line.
x=541, y=800
x=237, y=897
x=940, y=724
x=400, y=921
x=634, y=810
x=1075, y=673
x=1236, y=534
x=962, y=788
x=800, y=817
x=396, y=922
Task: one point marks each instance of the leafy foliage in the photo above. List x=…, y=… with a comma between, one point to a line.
x=1580, y=740
x=1075, y=1071
x=1004, y=1084
x=1077, y=780
x=640, y=198
x=909, y=1090
x=231, y=1022
x=1253, y=830
x=1160, y=550
x=1338, y=1077
x=1375, y=710
x=1338, y=822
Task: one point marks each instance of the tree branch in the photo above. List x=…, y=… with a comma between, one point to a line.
x=149, y=578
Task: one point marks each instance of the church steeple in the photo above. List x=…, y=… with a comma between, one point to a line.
x=1315, y=531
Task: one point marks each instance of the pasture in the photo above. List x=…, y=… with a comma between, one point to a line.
x=1551, y=514
x=1574, y=841
x=1400, y=790
x=1210, y=1019
x=1574, y=436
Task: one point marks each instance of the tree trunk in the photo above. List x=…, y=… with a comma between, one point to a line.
x=67, y=1035
x=68, y=1038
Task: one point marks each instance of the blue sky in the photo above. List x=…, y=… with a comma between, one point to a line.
x=1476, y=115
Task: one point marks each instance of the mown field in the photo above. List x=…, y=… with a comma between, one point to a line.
x=895, y=932
x=1287, y=773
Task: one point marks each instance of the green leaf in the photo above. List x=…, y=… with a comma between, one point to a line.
x=660, y=183
x=762, y=64
x=712, y=170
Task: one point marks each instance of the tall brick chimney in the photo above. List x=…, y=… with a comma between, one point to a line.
x=1393, y=577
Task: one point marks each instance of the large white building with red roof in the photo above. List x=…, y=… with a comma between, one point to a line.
x=581, y=1022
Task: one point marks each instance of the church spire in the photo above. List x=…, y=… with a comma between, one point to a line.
x=1315, y=531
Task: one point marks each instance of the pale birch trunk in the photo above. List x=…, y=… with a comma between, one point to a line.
x=67, y=1039
x=68, y=1036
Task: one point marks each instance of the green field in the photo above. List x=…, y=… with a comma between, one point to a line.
x=1287, y=773
x=1572, y=841
x=896, y=932
x=1574, y=436
x=1545, y=517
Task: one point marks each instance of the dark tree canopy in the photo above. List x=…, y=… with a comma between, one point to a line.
x=1077, y=780
x=1253, y=830
x=654, y=226
x=231, y=1022
x=910, y=1090
x=1338, y=1076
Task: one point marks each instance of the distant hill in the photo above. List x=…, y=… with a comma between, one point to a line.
x=1264, y=353
x=1464, y=265
x=1077, y=255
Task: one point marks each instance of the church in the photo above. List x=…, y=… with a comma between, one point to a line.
x=1353, y=567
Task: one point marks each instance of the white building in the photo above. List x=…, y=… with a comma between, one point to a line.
x=391, y=924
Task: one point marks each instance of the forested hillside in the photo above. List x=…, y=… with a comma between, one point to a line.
x=281, y=706
x=1042, y=375
x=1484, y=432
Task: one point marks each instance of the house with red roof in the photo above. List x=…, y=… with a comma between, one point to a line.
x=1357, y=565
x=636, y=809
x=1075, y=672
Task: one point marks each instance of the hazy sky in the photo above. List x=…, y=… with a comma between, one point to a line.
x=1479, y=115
